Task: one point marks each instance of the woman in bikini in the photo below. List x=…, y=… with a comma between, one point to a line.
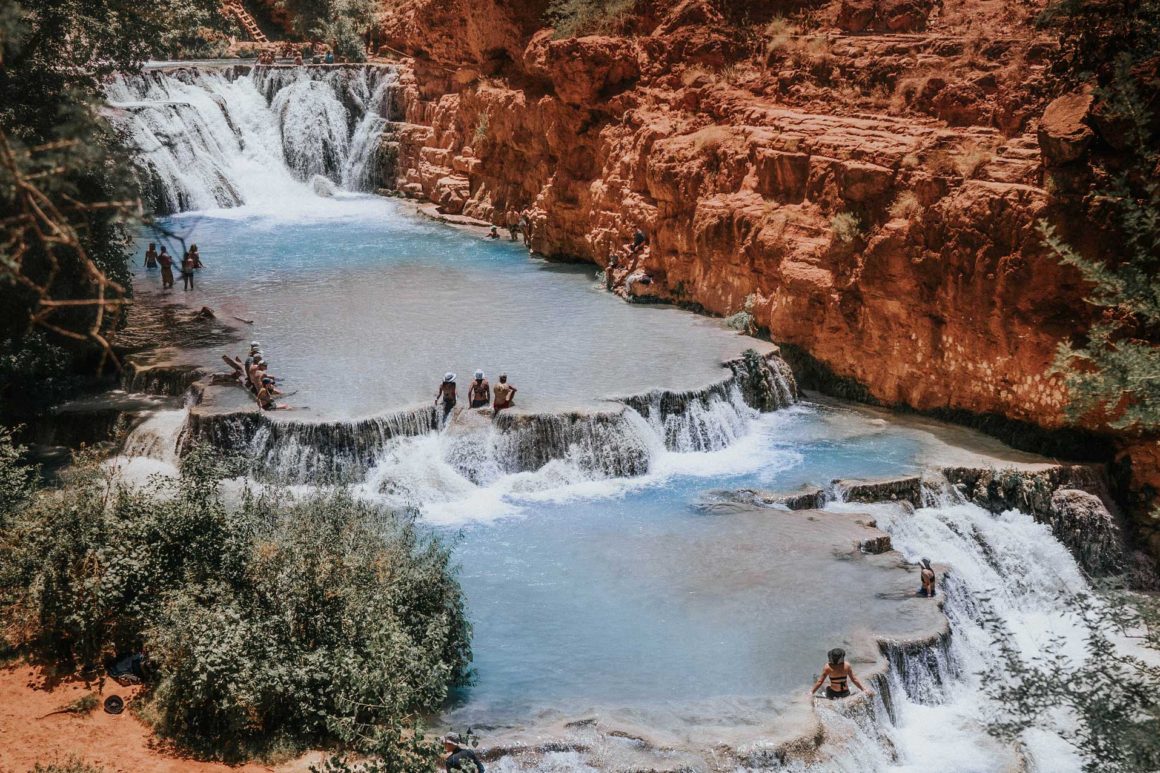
x=838, y=671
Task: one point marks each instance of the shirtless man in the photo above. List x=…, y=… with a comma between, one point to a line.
x=512, y=219
x=505, y=393
x=254, y=374
x=526, y=228
x=446, y=393
x=479, y=393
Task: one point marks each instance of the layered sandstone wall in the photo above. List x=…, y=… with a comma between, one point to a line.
x=865, y=177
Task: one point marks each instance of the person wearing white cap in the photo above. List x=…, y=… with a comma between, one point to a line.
x=446, y=393
x=479, y=393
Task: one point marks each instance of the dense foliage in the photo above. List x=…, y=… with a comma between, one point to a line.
x=1114, y=372
x=344, y=24
x=271, y=622
x=1110, y=694
x=66, y=189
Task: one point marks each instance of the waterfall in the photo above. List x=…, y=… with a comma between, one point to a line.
x=622, y=440
x=931, y=711
x=216, y=137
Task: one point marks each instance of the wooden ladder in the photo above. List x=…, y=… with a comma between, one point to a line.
x=237, y=10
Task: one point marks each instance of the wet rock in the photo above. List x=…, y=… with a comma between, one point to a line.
x=876, y=545
x=1081, y=522
x=892, y=490
x=1064, y=134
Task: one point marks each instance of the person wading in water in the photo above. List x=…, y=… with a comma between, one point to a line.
x=838, y=671
x=446, y=393
x=166, y=261
x=479, y=393
x=187, y=272
x=928, y=579
x=151, y=256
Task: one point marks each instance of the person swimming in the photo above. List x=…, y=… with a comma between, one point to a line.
x=839, y=672
x=493, y=233
x=479, y=392
x=927, y=576
x=446, y=393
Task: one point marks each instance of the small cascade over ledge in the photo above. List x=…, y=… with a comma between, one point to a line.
x=619, y=441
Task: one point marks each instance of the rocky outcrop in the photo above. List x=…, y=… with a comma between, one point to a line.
x=1064, y=134
x=872, y=199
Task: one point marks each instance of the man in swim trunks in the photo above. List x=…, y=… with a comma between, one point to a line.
x=838, y=671
x=446, y=393
x=479, y=393
x=505, y=393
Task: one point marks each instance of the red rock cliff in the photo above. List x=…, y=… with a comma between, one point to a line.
x=865, y=177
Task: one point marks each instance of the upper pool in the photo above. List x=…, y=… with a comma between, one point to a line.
x=361, y=305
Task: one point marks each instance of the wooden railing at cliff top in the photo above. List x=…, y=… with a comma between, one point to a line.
x=237, y=10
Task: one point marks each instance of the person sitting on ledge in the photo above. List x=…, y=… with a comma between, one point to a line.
x=928, y=579
x=329, y=57
x=838, y=671
x=267, y=394
x=639, y=240
x=479, y=393
x=505, y=394
x=446, y=393
x=493, y=233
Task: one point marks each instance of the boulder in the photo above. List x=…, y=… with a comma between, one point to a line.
x=1064, y=134
x=1081, y=522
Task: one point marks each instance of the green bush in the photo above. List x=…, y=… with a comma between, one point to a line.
x=574, y=18
x=269, y=623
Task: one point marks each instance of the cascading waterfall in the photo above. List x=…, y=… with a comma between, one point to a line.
x=210, y=138
x=931, y=710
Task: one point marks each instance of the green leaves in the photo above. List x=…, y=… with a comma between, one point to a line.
x=277, y=622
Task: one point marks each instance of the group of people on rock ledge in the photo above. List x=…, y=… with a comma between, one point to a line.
x=517, y=223
x=479, y=393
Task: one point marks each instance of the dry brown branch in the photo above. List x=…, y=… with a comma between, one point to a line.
x=40, y=222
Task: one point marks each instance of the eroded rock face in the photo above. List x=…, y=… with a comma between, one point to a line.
x=872, y=199
x=1080, y=521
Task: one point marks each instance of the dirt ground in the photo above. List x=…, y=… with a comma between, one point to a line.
x=30, y=732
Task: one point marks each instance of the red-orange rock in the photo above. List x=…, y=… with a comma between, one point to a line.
x=1064, y=134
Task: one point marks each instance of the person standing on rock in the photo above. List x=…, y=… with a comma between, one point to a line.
x=513, y=223
x=526, y=228
x=505, y=394
x=446, y=393
x=479, y=393
x=928, y=579
x=839, y=672
x=166, y=261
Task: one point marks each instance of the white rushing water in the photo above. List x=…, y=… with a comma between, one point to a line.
x=211, y=138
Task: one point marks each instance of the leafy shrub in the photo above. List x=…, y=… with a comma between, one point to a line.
x=846, y=228
x=574, y=18
x=272, y=622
